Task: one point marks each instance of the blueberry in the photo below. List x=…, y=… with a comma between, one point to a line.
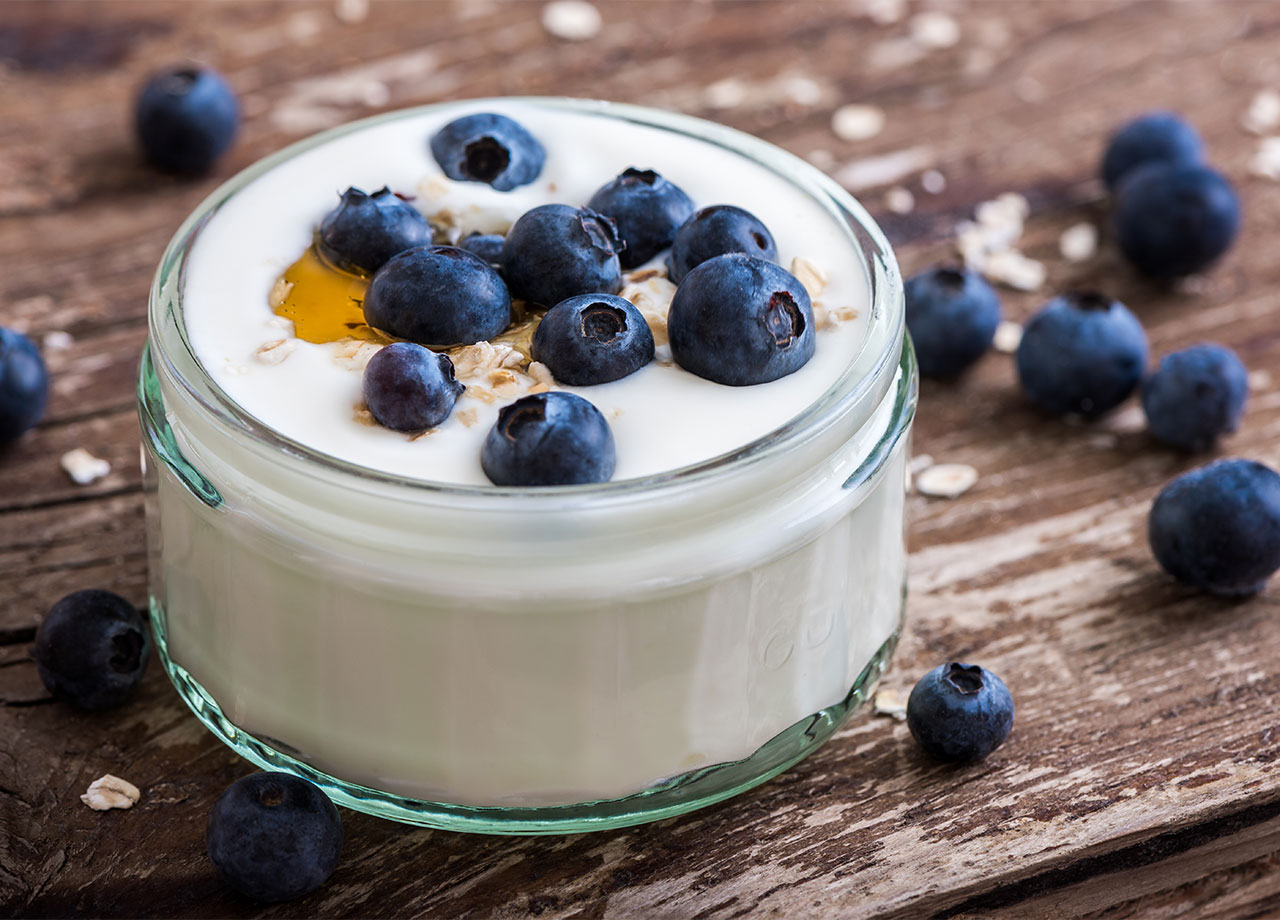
x=24, y=384
x=186, y=117
x=1196, y=395
x=438, y=295
x=1174, y=220
x=592, y=338
x=714, y=231
x=739, y=320
x=91, y=649
x=647, y=209
x=1157, y=137
x=960, y=712
x=556, y=251
x=1083, y=352
x=487, y=246
x=548, y=439
x=1217, y=528
x=488, y=148
x=274, y=836
x=952, y=315
x=364, y=231
x=410, y=388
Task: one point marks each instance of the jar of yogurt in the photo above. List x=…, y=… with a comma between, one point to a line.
x=365, y=609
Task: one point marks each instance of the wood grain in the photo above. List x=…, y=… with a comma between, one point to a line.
x=1141, y=778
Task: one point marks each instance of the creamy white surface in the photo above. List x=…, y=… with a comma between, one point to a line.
x=662, y=417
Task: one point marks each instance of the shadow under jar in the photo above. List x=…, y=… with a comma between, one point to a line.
x=507, y=660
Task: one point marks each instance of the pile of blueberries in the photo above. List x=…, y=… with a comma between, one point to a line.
x=737, y=318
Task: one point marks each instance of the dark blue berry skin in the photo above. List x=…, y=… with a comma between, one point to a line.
x=487, y=246
x=1083, y=352
x=960, y=712
x=438, y=295
x=549, y=439
x=410, y=388
x=1157, y=137
x=952, y=315
x=488, y=148
x=1175, y=220
x=1217, y=528
x=592, y=338
x=714, y=231
x=1196, y=395
x=739, y=320
x=186, y=118
x=273, y=836
x=24, y=384
x=556, y=251
x=91, y=649
x=647, y=209
x=364, y=231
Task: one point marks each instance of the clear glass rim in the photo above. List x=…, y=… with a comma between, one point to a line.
x=880, y=349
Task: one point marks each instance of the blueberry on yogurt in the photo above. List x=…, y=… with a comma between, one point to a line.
x=410, y=388
x=593, y=338
x=740, y=320
x=438, y=295
x=1196, y=395
x=556, y=251
x=549, y=439
x=24, y=384
x=487, y=246
x=952, y=315
x=1217, y=528
x=274, y=836
x=91, y=649
x=1083, y=352
x=1173, y=220
x=715, y=231
x=364, y=231
x=960, y=712
x=186, y=117
x=489, y=148
x=647, y=209
x=1157, y=137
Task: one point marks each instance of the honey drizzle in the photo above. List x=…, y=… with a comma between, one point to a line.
x=324, y=303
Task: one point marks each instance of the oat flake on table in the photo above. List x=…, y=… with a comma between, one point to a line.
x=946, y=480
x=107, y=792
x=83, y=467
x=857, y=122
x=572, y=20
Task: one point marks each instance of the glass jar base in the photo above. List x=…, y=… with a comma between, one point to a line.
x=674, y=796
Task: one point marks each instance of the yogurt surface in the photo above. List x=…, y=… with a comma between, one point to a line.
x=663, y=417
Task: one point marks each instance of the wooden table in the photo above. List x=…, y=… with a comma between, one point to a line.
x=1142, y=777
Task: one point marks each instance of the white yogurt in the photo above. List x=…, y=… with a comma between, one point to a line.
x=662, y=416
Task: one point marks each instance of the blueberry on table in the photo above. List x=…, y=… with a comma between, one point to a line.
x=715, y=231
x=364, y=231
x=1196, y=395
x=24, y=384
x=1157, y=137
x=410, y=388
x=960, y=712
x=186, y=118
x=740, y=320
x=91, y=649
x=952, y=315
x=1217, y=528
x=274, y=836
x=593, y=338
x=1173, y=220
x=549, y=439
x=438, y=295
x=487, y=246
x=647, y=209
x=1083, y=352
x=489, y=148
x=556, y=251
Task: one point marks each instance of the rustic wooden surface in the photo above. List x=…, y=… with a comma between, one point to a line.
x=1142, y=777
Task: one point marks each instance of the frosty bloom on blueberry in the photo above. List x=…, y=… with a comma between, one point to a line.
x=1157, y=137
x=438, y=295
x=952, y=315
x=364, y=231
x=1197, y=395
x=715, y=231
x=740, y=320
x=186, y=117
x=487, y=246
x=91, y=649
x=556, y=251
x=593, y=338
x=24, y=384
x=489, y=148
x=647, y=209
x=960, y=712
x=1173, y=219
x=549, y=439
x=410, y=388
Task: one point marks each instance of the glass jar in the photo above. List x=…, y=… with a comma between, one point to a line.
x=511, y=660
